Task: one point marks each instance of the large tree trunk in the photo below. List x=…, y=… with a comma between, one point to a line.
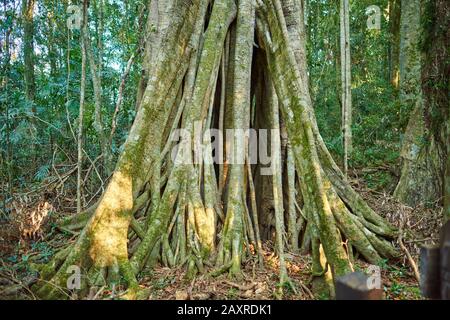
x=167, y=201
x=423, y=151
x=346, y=81
x=103, y=241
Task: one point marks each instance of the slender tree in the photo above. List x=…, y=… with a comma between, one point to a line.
x=423, y=151
x=346, y=82
x=28, y=50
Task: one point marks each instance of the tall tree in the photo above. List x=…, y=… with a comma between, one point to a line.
x=28, y=50
x=435, y=79
x=346, y=82
x=96, y=70
x=28, y=56
x=164, y=201
x=423, y=151
x=81, y=109
x=394, y=46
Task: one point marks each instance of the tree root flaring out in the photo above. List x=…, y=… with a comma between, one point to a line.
x=166, y=203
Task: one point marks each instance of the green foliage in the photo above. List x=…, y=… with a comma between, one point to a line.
x=34, y=136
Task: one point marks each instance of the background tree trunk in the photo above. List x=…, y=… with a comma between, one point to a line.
x=346, y=82
x=28, y=50
x=422, y=155
x=394, y=47
x=81, y=111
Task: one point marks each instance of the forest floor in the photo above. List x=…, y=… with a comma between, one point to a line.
x=419, y=226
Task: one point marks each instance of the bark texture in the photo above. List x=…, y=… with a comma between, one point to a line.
x=167, y=200
x=423, y=151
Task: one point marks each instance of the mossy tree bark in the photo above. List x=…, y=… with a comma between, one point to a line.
x=435, y=86
x=168, y=202
x=423, y=150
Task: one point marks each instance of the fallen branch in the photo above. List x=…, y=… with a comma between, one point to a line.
x=408, y=255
